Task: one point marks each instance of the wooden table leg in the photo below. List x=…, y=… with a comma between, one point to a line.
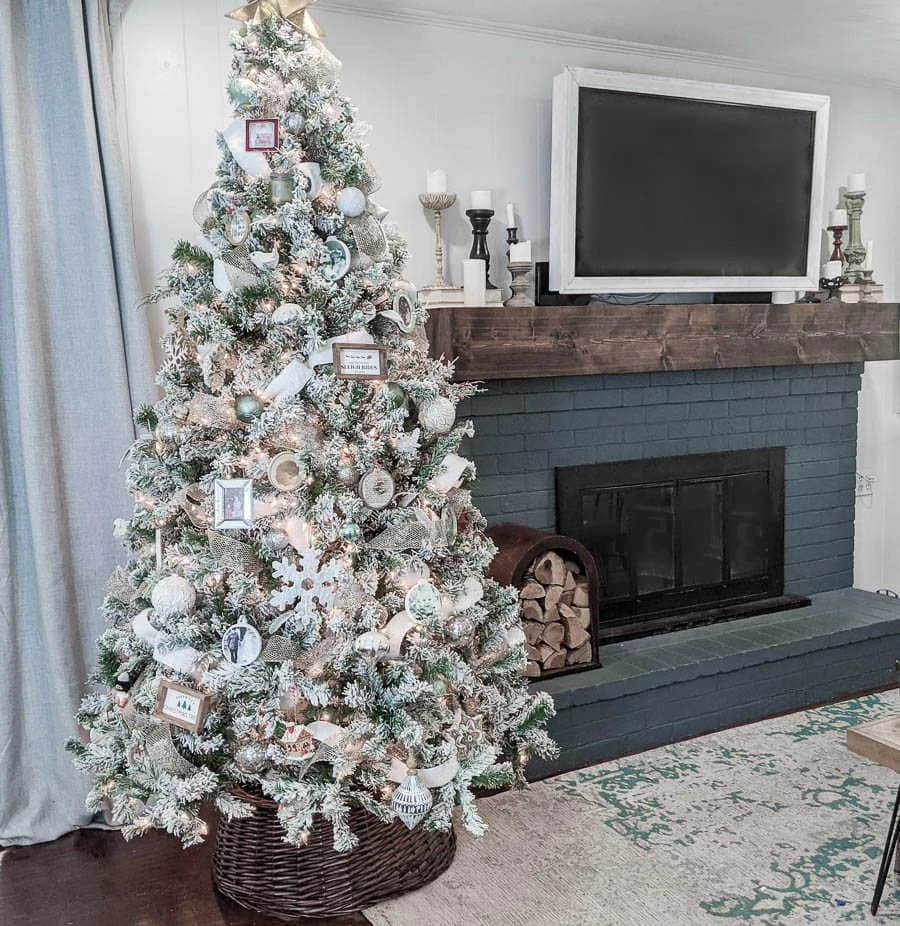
x=890, y=847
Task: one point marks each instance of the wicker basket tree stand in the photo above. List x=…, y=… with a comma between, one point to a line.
x=256, y=868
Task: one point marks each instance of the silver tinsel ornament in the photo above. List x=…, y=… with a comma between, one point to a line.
x=411, y=801
x=251, y=758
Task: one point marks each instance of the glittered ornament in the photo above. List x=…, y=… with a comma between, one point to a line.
x=351, y=532
x=437, y=415
x=242, y=91
x=348, y=474
x=247, y=407
x=372, y=645
x=251, y=758
x=275, y=540
x=351, y=201
x=459, y=628
x=396, y=393
x=293, y=123
x=423, y=601
x=173, y=595
x=411, y=801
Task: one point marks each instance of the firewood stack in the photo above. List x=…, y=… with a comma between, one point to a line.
x=556, y=614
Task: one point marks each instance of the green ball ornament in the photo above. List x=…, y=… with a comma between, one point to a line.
x=242, y=91
x=396, y=393
x=351, y=532
x=248, y=407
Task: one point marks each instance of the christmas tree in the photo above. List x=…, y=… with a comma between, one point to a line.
x=304, y=614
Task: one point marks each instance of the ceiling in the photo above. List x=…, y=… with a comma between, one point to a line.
x=844, y=38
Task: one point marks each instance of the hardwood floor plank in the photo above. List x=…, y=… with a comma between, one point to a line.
x=93, y=876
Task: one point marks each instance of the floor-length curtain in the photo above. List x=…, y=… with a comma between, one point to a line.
x=74, y=359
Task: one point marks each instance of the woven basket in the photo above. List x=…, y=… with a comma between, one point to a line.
x=253, y=866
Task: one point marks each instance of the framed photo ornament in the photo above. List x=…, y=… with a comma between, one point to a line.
x=262, y=135
x=182, y=706
x=359, y=361
x=233, y=504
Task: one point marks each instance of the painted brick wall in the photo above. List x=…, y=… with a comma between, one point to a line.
x=525, y=428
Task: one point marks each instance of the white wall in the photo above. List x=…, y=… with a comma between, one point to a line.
x=477, y=105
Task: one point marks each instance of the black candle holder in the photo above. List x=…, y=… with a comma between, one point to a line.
x=833, y=285
x=481, y=219
x=512, y=237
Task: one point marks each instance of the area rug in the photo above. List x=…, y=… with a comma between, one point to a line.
x=773, y=823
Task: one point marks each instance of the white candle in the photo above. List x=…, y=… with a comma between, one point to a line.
x=474, y=282
x=482, y=199
x=510, y=215
x=436, y=181
x=868, y=262
x=856, y=183
x=520, y=253
x=837, y=218
x=832, y=269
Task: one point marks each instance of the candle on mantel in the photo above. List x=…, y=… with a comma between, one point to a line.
x=436, y=181
x=474, y=282
x=520, y=253
x=867, y=265
x=482, y=199
x=856, y=183
x=837, y=218
x=510, y=215
x=832, y=269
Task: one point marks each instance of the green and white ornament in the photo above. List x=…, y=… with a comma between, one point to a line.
x=242, y=91
x=423, y=602
x=248, y=407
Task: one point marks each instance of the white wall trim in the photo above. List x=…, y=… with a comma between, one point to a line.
x=592, y=43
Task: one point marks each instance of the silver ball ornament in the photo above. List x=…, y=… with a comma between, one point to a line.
x=293, y=123
x=372, y=645
x=173, y=595
x=351, y=532
x=459, y=628
x=276, y=540
x=437, y=415
x=351, y=202
x=348, y=474
x=251, y=758
x=247, y=407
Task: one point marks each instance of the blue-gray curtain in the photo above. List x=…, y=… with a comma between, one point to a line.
x=74, y=360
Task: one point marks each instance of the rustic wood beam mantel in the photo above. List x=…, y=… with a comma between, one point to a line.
x=523, y=343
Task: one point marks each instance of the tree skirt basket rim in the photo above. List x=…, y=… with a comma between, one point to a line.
x=256, y=868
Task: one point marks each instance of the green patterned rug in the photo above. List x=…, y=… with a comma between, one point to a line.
x=774, y=823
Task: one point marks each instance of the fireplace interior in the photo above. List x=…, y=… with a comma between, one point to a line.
x=680, y=540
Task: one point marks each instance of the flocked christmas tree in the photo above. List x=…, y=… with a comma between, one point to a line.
x=304, y=613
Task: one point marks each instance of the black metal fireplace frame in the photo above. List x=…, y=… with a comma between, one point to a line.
x=683, y=606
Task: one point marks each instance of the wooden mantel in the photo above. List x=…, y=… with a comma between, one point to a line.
x=523, y=343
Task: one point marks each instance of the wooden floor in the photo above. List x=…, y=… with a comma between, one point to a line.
x=94, y=877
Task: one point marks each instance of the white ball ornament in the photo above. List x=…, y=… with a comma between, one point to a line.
x=351, y=202
x=286, y=312
x=437, y=415
x=173, y=595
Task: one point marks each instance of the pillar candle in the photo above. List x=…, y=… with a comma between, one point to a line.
x=510, y=215
x=837, y=217
x=856, y=183
x=832, y=269
x=520, y=253
x=482, y=199
x=436, y=181
x=474, y=282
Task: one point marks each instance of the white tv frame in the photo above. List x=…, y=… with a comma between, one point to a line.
x=563, y=181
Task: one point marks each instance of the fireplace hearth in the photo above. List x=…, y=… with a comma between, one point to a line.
x=680, y=540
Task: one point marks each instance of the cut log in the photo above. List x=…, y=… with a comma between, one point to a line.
x=552, y=596
x=555, y=661
x=550, y=569
x=584, y=617
x=532, y=590
x=554, y=634
x=551, y=614
x=576, y=635
x=579, y=656
x=580, y=596
x=567, y=611
x=532, y=670
x=533, y=631
x=567, y=596
x=569, y=581
x=532, y=652
x=532, y=611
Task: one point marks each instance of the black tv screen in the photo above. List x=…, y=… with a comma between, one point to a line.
x=674, y=187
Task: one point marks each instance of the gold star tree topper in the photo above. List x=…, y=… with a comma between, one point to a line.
x=295, y=11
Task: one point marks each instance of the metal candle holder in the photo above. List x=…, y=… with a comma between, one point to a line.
x=437, y=203
x=481, y=219
x=855, y=250
x=512, y=237
x=833, y=285
x=836, y=232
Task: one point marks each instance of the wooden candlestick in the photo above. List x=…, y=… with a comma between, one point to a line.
x=836, y=233
x=481, y=219
x=855, y=250
x=437, y=203
x=520, y=284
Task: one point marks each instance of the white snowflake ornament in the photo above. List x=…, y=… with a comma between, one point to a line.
x=304, y=587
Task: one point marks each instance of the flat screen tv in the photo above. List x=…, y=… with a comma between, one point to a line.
x=666, y=185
